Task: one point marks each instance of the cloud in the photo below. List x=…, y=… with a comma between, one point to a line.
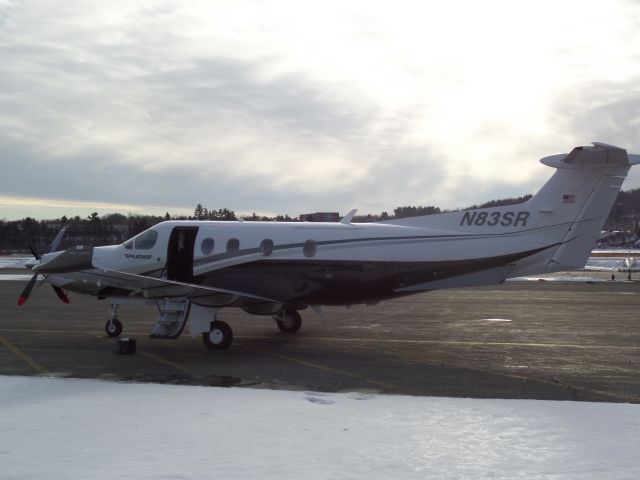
x=282, y=107
x=606, y=111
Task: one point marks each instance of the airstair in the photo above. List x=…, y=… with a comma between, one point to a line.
x=173, y=317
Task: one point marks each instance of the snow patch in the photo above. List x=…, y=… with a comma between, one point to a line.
x=68, y=428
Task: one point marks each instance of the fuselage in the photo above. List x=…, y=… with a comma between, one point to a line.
x=320, y=263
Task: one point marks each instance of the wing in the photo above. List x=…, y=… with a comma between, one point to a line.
x=151, y=287
x=591, y=268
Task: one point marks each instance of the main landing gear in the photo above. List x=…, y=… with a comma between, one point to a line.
x=219, y=336
x=288, y=320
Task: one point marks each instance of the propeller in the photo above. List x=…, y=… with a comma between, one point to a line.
x=29, y=287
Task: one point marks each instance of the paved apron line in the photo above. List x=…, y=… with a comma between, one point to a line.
x=158, y=359
x=23, y=356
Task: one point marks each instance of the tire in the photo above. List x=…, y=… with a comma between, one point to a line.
x=219, y=336
x=113, y=327
x=288, y=321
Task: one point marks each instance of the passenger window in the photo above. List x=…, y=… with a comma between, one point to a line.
x=207, y=246
x=146, y=240
x=233, y=246
x=266, y=247
x=309, y=249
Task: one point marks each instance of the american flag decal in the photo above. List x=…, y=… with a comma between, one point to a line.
x=568, y=199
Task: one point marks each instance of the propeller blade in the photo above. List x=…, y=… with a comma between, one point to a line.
x=34, y=253
x=61, y=295
x=57, y=240
x=27, y=290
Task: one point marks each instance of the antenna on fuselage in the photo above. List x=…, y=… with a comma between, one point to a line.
x=348, y=217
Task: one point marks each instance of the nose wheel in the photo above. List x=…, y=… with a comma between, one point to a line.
x=113, y=327
x=219, y=336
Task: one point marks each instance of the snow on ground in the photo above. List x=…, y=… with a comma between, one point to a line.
x=558, y=278
x=64, y=428
x=13, y=261
x=16, y=277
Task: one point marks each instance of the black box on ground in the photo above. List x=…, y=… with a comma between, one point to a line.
x=125, y=346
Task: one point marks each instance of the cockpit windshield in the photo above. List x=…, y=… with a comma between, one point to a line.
x=144, y=241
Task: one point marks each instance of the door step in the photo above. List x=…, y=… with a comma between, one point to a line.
x=173, y=317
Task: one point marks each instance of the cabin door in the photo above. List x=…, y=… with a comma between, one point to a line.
x=180, y=254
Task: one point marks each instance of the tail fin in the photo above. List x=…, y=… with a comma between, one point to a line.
x=578, y=198
x=558, y=226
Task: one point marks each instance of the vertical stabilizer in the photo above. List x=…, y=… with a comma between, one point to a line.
x=578, y=198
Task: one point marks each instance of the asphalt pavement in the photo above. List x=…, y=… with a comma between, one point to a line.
x=531, y=340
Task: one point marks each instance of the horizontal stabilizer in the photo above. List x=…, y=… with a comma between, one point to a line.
x=598, y=156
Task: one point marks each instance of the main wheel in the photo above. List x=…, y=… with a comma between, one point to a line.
x=219, y=336
x=288, y=321
x=113, y=327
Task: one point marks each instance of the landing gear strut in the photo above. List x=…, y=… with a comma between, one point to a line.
x=113, y=327
x=288, y=320
x=219, y=336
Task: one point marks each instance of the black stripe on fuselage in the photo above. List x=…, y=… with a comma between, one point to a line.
x=327, y=282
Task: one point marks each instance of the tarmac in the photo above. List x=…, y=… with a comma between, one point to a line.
x=529, y=340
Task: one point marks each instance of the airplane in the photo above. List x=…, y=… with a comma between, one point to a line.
x=613, y=263
x=193, y=269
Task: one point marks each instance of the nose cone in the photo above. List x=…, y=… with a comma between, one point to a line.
x=70, y=260
x=39, y=265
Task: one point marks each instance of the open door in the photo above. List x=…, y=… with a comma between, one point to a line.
x=180, y=254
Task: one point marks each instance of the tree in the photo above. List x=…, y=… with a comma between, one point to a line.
x=403, y=212
x=199, y=212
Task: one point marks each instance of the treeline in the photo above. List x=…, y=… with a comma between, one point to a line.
x=418, y=211
x=501, y=203
x=93, y=230
x=627, y=204
x=110, y=229
x=404, y=212
x=203, y=213
x=115, y=228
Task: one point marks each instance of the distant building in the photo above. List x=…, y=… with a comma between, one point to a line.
x=320, y=217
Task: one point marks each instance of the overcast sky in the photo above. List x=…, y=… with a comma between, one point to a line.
x=292, y=107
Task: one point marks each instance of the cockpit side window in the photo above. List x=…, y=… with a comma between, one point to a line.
x=128, y=244
x=146, y=240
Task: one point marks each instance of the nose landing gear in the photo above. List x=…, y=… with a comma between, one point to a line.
x=113, y=327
